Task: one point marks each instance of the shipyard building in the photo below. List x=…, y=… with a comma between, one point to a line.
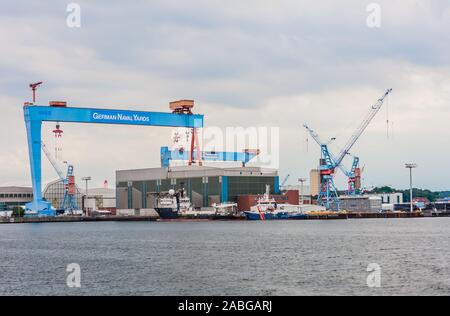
x=135, y=189
x=12, y=196
x=361, y=203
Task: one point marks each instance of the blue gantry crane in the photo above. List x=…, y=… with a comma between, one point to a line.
x=35, y=115
x=243, y=157
x=328, y=194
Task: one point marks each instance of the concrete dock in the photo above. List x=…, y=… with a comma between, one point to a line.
x=154, y=218
x=71, y=219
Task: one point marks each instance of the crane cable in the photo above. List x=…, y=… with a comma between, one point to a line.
x=387, y=118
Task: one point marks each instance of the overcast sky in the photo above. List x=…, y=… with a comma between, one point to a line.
x=246, y=63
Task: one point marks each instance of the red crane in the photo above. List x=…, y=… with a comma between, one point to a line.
x=185, y=107
x=58, y=135
x=33, y=87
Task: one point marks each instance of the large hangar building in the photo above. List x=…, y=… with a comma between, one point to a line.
x=204, y=185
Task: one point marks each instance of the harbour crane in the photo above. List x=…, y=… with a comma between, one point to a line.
x=353, y=175
x=68, y=179
x=328, y=195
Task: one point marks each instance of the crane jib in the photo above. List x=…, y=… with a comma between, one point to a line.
x=360, y=130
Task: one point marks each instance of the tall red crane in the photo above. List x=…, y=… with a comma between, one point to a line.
x=185, y=107
x=34, y=87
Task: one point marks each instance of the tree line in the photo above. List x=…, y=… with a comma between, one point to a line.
x=433, y=196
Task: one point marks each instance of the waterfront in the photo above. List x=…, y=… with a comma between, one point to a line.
x=227, y=258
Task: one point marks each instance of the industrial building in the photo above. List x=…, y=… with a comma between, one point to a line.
x=361, y=203
x=314, y=178
x=391, y=198
x=14, y=196
x=304, y=196
x=100, y=199
x=204, y=185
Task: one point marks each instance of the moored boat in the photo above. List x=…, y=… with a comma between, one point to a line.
x=226, y=210
x=266, y=209
x=266, y=216
x=167, y=207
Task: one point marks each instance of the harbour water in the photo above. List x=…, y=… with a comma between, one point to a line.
x=227, y=258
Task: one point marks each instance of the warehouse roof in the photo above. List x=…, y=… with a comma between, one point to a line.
x=191, y=172
x=15, y=189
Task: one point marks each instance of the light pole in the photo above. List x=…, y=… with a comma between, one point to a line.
x=411, y=166
x=86, y=179
x=301, y=180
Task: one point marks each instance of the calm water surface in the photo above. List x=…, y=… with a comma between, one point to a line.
x=227, y=258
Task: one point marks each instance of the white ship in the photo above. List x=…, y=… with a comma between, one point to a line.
x=226, y=210
x=265, y=203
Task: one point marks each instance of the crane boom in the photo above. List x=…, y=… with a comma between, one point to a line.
x=313, y=134
x=53, y=162
x=362, y=127
x=285, y=180
x=316, y=137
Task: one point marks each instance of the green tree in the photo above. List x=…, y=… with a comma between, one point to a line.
x=383, y=190
x=430, y=195
x=18, y=211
